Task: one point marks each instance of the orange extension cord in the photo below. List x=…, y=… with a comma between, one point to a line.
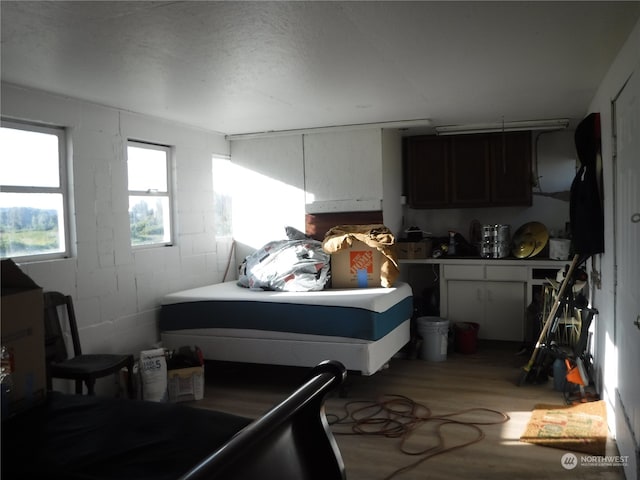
x=397, y=416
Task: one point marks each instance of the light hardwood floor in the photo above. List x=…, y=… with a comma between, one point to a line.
x=486, y=379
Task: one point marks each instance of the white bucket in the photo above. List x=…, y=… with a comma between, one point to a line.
x=559, y=248
x=435, y=338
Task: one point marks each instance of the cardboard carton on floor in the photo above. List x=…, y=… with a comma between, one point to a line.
x=22, y=333
x=186, y=384
x=356, y=267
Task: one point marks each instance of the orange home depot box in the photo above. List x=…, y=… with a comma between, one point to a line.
x=22, y=332
x=356, y=267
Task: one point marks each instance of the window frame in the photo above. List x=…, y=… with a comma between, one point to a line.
x=63, y=184
x=169, y=151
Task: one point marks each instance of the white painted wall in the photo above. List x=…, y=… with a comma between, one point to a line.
x=603, y=298
x=392, y=180
x=556, y=162
x=116, y=289
x=268, y=190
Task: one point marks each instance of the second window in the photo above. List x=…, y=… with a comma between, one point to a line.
x=149, y=180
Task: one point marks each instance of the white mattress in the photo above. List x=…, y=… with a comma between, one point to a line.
x=373, y=299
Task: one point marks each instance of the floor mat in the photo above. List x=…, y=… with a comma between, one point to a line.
x=580, y=428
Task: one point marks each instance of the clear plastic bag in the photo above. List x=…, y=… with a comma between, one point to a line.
x=298, y=264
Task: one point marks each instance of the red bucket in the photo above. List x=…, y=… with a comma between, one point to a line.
x=466, y=337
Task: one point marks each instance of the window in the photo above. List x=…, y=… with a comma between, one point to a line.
x=149, y=194
x=33, y=192
x=223, y=182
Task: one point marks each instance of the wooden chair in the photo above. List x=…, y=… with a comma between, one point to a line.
x=83, y=368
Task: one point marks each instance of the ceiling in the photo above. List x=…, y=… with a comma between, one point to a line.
x=239, y=67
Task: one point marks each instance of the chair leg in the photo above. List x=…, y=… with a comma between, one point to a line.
x=91, y=383
x=132, y=394
x=79, y=389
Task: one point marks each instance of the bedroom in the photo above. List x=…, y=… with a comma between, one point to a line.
x=119, y=288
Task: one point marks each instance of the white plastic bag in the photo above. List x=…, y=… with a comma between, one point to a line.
x=153, y=375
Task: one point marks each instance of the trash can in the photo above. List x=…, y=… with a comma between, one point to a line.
x=466, y=337
x=435, y=338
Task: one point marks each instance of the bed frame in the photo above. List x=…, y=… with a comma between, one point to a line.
x=365, y=358
x=292, y=440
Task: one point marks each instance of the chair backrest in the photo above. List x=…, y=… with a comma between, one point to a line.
x=56, y=303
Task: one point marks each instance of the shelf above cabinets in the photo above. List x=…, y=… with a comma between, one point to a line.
x=468, y=170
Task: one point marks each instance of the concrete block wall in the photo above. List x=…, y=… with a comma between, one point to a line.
x=117, y=289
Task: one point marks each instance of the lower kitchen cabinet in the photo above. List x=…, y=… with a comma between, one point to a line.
x=493, y=293
x=498, y=307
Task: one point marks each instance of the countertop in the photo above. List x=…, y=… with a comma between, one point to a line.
x=453, y=260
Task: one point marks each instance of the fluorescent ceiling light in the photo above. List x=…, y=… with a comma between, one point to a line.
x=421, y=122
x=555, y=124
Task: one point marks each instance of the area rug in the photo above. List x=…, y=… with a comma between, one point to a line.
x=581, y=428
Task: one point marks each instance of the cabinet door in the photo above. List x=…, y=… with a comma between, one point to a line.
x=465, y=303
x=343, y=168
x=427, y=174
x=511, y=168
x=498, y=307
x=469, y=165
x=504, y=310
x=469, y=170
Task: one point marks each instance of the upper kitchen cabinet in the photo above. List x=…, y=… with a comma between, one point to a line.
x=469, y=170
x=511, y=180
x=343, y=171
x=469, y=164
x=427, y=172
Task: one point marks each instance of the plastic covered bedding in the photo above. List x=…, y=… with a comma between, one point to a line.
x=297, y=264
x=362, y=328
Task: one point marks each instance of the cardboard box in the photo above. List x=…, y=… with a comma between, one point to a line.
x=22, y=332
x=185, y=384
x=356, y=267
x=421, y=249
